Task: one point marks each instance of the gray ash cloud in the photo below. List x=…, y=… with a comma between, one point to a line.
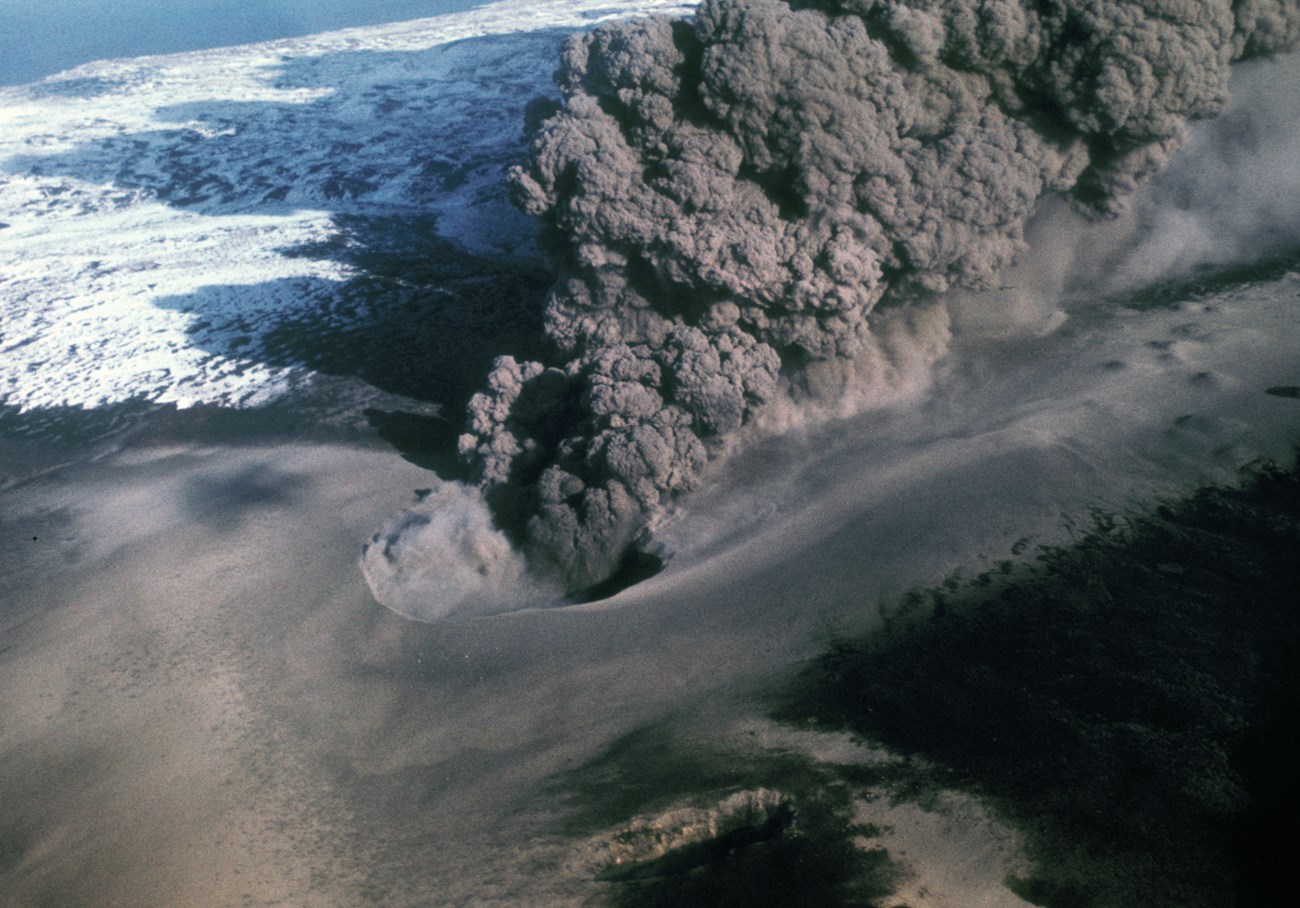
x=726, y=200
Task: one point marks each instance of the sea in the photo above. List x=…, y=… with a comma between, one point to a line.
x=43, y=38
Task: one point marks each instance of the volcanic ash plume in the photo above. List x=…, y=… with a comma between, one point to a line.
x=726, y=200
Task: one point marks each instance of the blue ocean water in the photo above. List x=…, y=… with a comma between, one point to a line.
x=42, y=37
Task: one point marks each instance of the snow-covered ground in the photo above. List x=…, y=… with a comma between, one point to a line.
x=162, y=214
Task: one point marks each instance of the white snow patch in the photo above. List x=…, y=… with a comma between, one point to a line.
x=128, y=186
x=94, y=309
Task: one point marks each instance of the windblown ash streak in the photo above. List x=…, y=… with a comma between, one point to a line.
x=727, y=199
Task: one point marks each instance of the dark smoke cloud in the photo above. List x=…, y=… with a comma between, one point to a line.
x=727, y=199
x=1265, y=26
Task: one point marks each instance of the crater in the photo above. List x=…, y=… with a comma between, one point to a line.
x=636, y=567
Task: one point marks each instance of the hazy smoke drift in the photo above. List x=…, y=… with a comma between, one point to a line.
x=727, y=199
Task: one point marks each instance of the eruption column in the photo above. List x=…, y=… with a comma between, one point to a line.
x=727, y=199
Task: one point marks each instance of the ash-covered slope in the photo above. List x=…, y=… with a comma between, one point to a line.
x=726, y=200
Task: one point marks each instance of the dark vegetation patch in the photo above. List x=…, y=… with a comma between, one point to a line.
x=800, y=853
x=1129, y=701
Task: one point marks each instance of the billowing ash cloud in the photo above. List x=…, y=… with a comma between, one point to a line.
x=727, y=199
